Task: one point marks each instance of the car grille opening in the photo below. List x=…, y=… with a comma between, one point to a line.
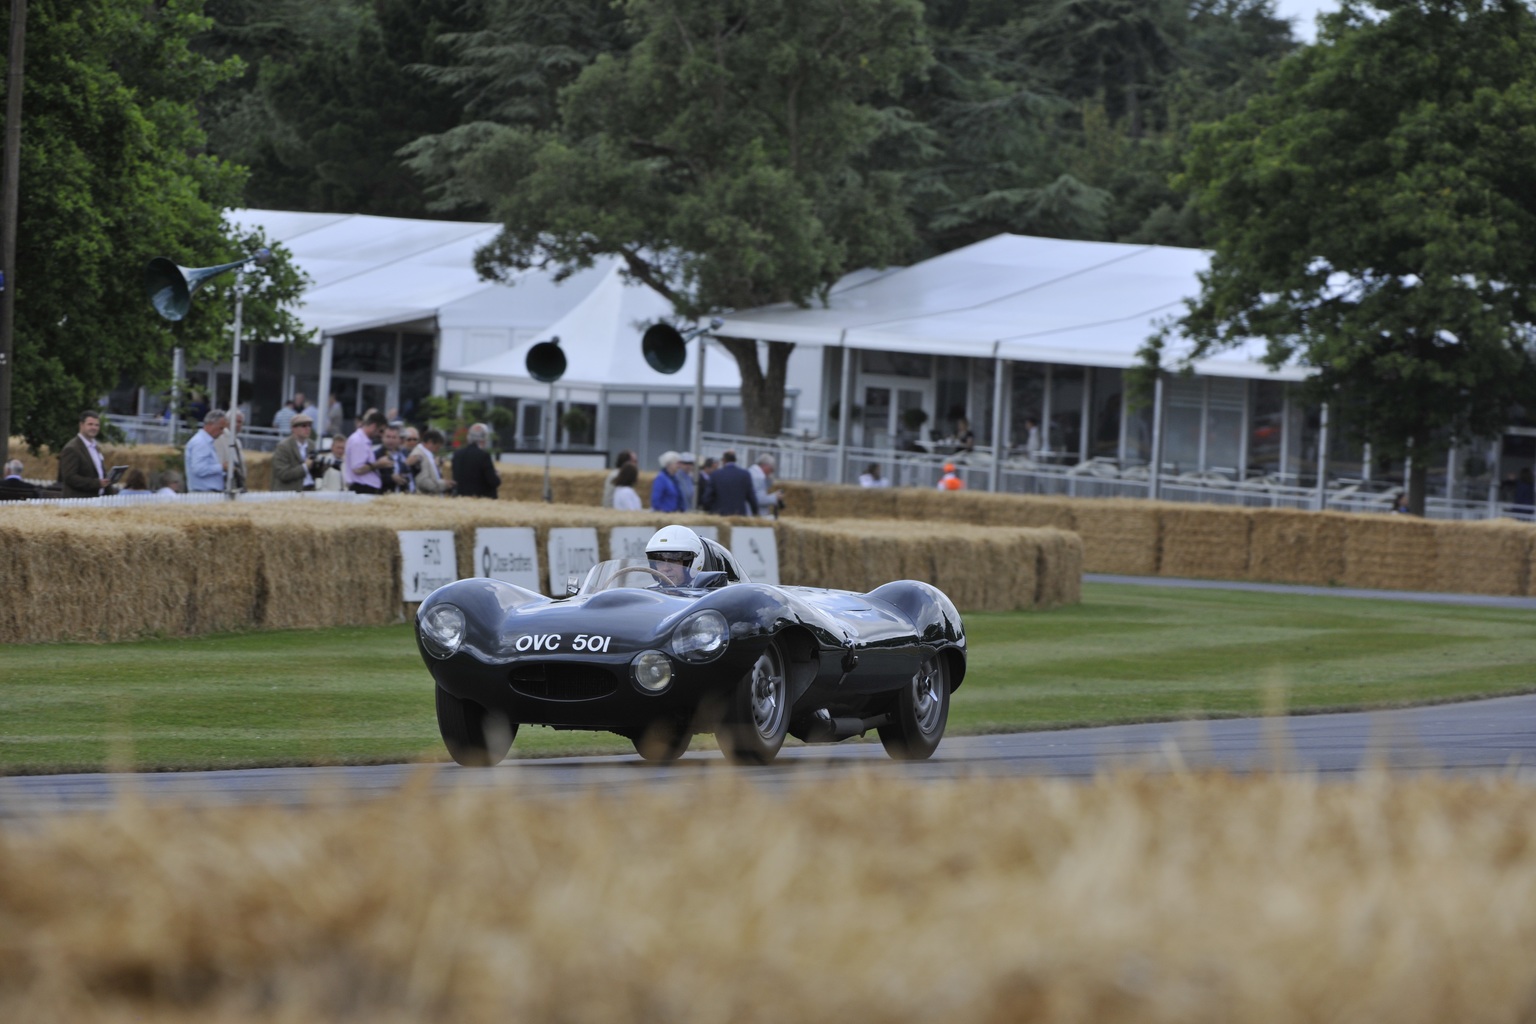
x=561, y=681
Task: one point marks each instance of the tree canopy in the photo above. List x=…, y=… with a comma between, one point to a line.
x=112, y=174
x=1372, y=218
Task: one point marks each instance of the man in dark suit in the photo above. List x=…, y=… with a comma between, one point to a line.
x=732, y=488
x=81, y=471
x=474, y=473
x=13, y=487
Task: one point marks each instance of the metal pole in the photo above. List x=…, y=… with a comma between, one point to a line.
x=178, y=370
x=844, y=414
x=1322, y=459
x=549, y=441
x=1154, y=476
x=234, y=385
x=11, y=204
x=698, y=403
x=997, y=418
x=323, y=399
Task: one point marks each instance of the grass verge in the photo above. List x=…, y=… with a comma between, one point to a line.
x=1124, y=654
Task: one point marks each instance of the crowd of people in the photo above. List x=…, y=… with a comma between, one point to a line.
x=683, y=484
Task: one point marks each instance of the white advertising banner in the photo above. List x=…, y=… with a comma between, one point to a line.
x=509, y=554
x=426, y=562
x=629, y=541
x=758, y=552
x=572, y=551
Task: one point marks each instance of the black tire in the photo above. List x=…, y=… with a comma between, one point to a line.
x=757, y=719
x=662, y=741
x=921, y=713
x=474, y=736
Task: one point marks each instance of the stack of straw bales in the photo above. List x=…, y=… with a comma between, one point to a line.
x=104, y=574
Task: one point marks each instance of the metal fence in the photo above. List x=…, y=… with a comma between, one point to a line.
x=817, y=462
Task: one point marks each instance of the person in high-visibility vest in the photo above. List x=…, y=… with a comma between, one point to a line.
x=949, y=481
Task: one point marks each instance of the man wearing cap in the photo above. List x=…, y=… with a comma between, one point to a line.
x=666, y=496
x=685, y=484
x=290, y=459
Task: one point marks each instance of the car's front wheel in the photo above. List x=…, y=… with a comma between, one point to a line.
x=757, y=719
x=921, y=712
x=474, y=735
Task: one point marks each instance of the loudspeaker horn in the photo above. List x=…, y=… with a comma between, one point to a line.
x=170, y=287
x=665, y=347
x=546, y=362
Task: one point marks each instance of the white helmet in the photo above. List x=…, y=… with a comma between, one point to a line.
x=676, y=545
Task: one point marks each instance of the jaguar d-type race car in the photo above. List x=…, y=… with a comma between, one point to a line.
x=681, y=642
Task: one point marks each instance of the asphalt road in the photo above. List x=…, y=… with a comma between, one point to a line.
x=1490, y=736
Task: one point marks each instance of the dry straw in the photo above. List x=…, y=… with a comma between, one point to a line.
x=1205, y=543
x=1189, y=899
x=1297, y=547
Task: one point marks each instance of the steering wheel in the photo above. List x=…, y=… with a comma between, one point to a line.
x=665, y=579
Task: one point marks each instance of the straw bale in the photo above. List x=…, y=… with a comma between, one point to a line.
x=1024, y=510
x=1484, y=558
x=931, y=505
x=1119, y=535
x=1059, y=572
x=1289, y=546
x=1389, y=552
x=1204, y=542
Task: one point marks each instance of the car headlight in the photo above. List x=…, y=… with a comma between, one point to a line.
x=652, y=671
x=442, y=629
x=701, y=636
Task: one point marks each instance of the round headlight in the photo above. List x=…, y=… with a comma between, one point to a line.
x=442, y=630
x=652, y=671
x=701, y=636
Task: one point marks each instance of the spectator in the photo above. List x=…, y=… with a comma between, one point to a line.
x=334, y=415
x=204, y=470
x=360, y=468
x=328, y=469
x=1032, y=437
x=303, y=405
x=171, y=483
x=13, y=487
x=423, y=463
x=871, y=477
x=950, y=481
x=395, y=477
x=685, y=482
x=283, y=421
x=625, y=497
x=474, y=472
x=1525, y=493
x=732, y=488
x=290, y=459
x=82, y=473
x=666, y=495
x=706, y=488
x=230, y=456
x=135, y=482
x=197, y=408
x=965, y=437
x=769, y=501
x=618, y=463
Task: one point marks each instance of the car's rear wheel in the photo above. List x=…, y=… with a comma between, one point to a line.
x=662, y=741
x=921, y=712
x=474, y=735
x=757, y=719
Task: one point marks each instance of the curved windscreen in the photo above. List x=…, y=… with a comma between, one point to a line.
x=618, y=573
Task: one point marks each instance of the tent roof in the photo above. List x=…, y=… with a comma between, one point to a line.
x=1015, y=296
x=371, y=272
x=601, y=341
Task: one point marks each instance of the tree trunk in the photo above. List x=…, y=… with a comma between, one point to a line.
x=1418, y=477
x=762, y=391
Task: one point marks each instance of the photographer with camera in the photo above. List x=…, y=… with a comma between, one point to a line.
x=769, y=501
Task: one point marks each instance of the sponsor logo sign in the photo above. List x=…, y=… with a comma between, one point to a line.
x=427, y=562
x=509, y=554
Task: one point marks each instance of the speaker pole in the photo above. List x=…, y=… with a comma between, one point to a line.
x=549, y=442
x=234, y=385
x=10, y=216
x=698, y=413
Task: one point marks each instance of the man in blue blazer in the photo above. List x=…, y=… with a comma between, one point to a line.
x=732, y=488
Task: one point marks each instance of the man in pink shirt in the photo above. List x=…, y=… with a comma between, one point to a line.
x=359, y=469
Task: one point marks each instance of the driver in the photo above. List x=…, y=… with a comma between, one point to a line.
x=676, y=552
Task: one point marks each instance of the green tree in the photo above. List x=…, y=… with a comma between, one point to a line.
x=112, y=174
x=1373, y=218
x=724, y=157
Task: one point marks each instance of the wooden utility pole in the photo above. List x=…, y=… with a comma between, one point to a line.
x=8, y=213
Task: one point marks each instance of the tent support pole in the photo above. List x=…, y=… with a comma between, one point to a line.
x=323, y=399
x=1154, y=477
x=844, y=414
x=997, y=418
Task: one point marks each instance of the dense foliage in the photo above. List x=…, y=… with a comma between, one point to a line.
x=1372, y=217
x=113, y=172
